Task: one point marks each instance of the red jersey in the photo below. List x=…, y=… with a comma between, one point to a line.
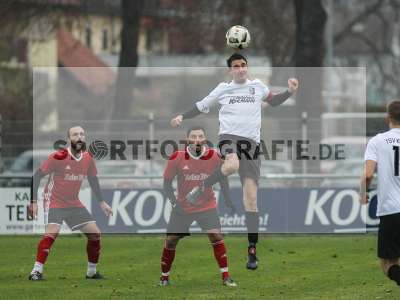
x=66, y=175
x=191, y=171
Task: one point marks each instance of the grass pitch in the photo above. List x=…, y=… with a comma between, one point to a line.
x=291, y=267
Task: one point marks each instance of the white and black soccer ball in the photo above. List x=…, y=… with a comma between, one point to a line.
x=238, y=37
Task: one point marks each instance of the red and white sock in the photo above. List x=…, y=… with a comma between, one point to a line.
x=93, y=252
x=221, y=257
x=43, y=251
x=167, y=258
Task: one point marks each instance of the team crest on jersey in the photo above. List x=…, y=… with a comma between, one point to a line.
x=252, y=90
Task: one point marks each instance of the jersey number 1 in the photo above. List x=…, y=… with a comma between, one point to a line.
x=396, y=160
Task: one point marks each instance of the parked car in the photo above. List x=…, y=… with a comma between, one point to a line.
x=22, y=168
x=122, y=173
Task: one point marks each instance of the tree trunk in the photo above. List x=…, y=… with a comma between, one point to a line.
x=128, y=58
x=310, y=20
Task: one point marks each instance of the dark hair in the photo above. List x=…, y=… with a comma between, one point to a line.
x=195, y=128
x=235, y=56
x=393, y=110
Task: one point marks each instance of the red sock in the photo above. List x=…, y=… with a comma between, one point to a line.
x=221, y=257
x=93, y=251
x=167, y=259
x=44, y=248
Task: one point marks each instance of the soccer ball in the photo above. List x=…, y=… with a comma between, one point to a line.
x=238, y=37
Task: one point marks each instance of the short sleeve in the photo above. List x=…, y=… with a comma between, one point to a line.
x=265, y=92
x=172, y=167
x=371, y=153
x=92, y=170
x=49, y=165
x=212, y=98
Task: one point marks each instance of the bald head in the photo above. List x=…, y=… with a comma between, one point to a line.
x=76, y=137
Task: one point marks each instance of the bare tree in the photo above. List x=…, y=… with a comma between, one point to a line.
x=128, y=57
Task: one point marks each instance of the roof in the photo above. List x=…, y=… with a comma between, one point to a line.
x=78, y=60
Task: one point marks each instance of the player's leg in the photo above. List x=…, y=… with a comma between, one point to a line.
x=43, y=250
x=220, y=254
x=178, y=227
x=168, y=256
x=391, y=269
x=252, y=219
x=209, y=222
x=79, y=218
x=389, y=246
x=53, y=219
x=93, y=246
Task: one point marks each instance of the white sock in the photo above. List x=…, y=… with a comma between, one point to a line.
x=91, y=269
x=37, y=267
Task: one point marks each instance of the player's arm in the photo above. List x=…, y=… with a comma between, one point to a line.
x=202, y=106
x=35, y=183
x=170, y=172
x=278, y=99
x=224, y=184
x=366, y=178
x=95, y=186
x=169, y=191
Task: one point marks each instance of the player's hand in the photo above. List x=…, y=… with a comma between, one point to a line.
x=33, y=209
x=364, y=199
x=293, y=85
x=106, y=208
x=177, y=121
x=177, y=208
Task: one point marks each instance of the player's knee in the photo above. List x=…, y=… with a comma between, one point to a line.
x=171, y=242
x=215, y=237
x=94, y=236
x=231, y=166
x=52, y=235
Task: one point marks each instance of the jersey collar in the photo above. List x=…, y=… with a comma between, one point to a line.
x=203, y=151
x=73, y=156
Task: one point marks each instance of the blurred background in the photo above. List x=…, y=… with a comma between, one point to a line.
x=124, y=68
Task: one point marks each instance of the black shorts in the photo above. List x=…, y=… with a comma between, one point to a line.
x=179, y=222
x=248, y=152
x=74, y=217
x=389, y=236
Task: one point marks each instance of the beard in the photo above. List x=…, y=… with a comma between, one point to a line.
x=196, y=148
x=78, y=146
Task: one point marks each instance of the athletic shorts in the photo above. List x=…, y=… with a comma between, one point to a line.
x=389, y=236
x=179, y=222
x=74, y=217
x=247, y=151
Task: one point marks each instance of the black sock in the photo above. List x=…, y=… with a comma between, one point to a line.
x=213, y=178
x=252, y=222
x=394, y=273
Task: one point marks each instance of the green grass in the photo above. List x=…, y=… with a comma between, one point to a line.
x=291, y=267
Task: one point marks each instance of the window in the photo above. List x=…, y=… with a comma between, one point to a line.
x=88, y=37
x=104, y=41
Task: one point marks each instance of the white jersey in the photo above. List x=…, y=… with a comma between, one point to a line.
x=384, y=148
x=240, y=112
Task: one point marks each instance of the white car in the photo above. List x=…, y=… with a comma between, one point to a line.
x=129, y=173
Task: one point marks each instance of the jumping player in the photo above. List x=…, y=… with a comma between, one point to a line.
x=67, y=168
x=239, y=134
x=190, y=166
